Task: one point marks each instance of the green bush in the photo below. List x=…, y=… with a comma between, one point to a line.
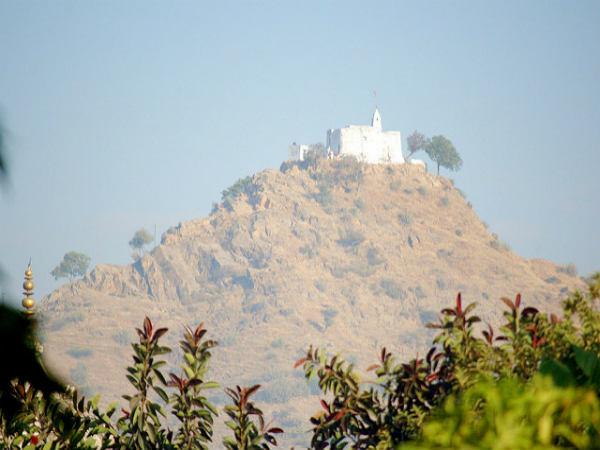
x=63, y=420
x=535, y=385
x=508, y=414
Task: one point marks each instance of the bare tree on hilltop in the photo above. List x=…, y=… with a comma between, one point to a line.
x=416, y=141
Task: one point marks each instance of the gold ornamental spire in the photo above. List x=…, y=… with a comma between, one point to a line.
x=28, y=301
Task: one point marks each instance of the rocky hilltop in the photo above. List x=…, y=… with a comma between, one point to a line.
x=342, y=255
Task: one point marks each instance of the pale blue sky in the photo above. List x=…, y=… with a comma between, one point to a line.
x=130, y=114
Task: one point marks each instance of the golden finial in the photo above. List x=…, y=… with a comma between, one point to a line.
x=28, y=301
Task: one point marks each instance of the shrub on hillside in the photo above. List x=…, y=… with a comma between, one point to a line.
x=392, y=289
x=359, y=203
x=324, y=196
x=242, y=186
x=497, y=244
x=569, y=269
x=395, y=185
x=373, y=257
x=405, y=219
x=351, y=238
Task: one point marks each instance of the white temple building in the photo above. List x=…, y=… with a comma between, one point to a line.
x=366, y=143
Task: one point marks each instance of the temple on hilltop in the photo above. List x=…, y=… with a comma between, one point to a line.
x=368, y=143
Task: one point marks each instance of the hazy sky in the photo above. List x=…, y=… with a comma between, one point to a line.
x=130, y=114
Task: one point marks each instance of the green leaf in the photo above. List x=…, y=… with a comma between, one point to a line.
x=210, y=385
x=589, y=363
x=162, y=394
x=560, y=373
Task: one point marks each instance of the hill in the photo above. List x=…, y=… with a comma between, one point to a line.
x=345, y=256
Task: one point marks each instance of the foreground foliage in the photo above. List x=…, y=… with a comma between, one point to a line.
x=39, y=417
x=533, y=384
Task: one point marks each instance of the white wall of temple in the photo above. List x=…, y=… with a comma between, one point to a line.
x=333, y=141
x=392, y=146
x=369, y=145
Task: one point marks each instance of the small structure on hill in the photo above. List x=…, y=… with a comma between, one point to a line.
x=367, y=143
x=298, y=152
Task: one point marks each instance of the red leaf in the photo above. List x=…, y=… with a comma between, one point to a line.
x=431, y=377
x=529, y=311
x=518, y=301
x=300, y=362
x=459, y=304
x=373, y=367
x=252, y=390
x=147, y=327
x=508, y=302
x=324, y=405
x=275, y=430
x=158, y=333
x=338, y=415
